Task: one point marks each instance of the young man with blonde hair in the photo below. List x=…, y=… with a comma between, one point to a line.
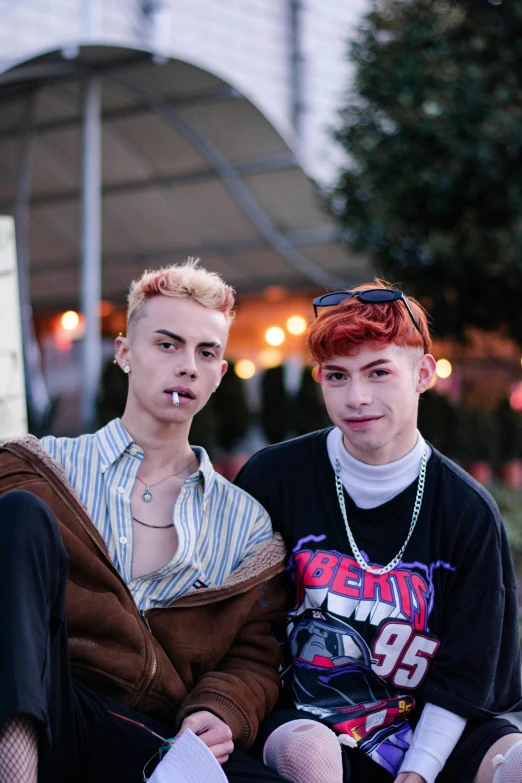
x=402, y=640
x=137, y=586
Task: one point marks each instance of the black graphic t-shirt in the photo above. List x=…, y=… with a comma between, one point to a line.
x=366, y=652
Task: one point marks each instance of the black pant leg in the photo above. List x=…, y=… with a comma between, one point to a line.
x=33, y=573
x=34, y=659
x=478, y=737
x=241, y=767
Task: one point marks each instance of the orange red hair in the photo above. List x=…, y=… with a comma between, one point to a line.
x=342, y=328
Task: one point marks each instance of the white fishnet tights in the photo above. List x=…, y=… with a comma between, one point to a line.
x=18, y=750
x=304, y=751
x=509, y=767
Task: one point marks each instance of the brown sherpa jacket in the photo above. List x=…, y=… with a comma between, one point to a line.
x=206, y=651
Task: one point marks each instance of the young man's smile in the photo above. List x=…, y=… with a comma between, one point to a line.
x=360, y=423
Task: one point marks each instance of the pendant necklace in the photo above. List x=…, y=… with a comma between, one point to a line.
x=416, y=510
x=147, y=495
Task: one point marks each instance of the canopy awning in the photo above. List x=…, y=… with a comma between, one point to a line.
x=190, y=167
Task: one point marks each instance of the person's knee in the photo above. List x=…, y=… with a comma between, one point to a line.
x=305, y=750
x=20, y=500
x=24, y=515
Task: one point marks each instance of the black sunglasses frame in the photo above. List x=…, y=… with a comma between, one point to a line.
x=366, y=296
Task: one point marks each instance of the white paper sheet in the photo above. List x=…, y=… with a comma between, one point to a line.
x=188, y=761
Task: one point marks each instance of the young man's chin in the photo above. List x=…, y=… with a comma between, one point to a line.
x=364, y=442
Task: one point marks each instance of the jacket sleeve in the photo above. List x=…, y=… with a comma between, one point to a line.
x=244, y=686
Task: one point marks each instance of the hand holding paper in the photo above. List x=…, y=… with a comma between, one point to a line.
x=188, y=761
x=212, y=731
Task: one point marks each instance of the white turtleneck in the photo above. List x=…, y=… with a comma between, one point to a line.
x=369, y=486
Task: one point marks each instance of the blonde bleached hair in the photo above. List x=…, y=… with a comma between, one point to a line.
x=180, y=281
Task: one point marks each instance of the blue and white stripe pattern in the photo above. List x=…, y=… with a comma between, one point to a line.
x=218, y=525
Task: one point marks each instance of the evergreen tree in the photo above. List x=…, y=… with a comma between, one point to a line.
x=433, y=134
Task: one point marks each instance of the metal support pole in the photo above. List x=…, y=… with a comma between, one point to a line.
x=297, y=67
x=38, y=402
x=87, y=20
x=91, y=251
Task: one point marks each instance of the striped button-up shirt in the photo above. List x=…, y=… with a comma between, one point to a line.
x=218, y=525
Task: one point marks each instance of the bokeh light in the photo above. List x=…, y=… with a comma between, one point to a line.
x=245, y=369
x=274, y=335
x=296, y=324
x=444, y=368
x=70, y=320
x=270, y=357
x=274, y=293
x=315, y=373
x=106, y=308
x=515, y=399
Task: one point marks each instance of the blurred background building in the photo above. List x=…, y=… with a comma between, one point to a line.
x=136, y=133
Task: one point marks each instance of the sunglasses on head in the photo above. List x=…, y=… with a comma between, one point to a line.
x=373, y=295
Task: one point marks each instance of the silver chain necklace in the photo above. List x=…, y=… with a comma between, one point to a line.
x=147, y=495
x=416, y=510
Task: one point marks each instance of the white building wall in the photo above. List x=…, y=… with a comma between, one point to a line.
x=245, y=42
x=13, y=416
x=327, y=28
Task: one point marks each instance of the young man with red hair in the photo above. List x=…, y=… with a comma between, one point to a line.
x=401, y=636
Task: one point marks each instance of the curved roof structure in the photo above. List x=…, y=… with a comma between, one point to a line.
x=189, y=167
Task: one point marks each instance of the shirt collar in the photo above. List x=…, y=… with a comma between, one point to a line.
x=113, y=440
x=206, y=471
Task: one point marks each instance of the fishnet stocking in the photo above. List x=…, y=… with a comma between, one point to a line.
x=304, y=751
x=509, y=767
x=18, y=750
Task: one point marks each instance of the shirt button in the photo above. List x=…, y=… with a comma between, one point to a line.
x=121, y=490
x=134, y=451
x=123, y=539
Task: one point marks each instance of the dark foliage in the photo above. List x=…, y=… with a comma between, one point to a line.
x=510, y=432
x=438, y=421
x=231, y=411
x=310, y=412
x=276, y=406
x=433, y=132
x=112, y=394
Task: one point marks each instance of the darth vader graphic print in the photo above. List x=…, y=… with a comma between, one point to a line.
x=359, y=646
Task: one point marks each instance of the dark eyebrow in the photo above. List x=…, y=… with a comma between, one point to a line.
x=182, y=340
x=334, y=367
x=171, y=335
x=337, y=368
x=375, y=363
x=217, y=346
